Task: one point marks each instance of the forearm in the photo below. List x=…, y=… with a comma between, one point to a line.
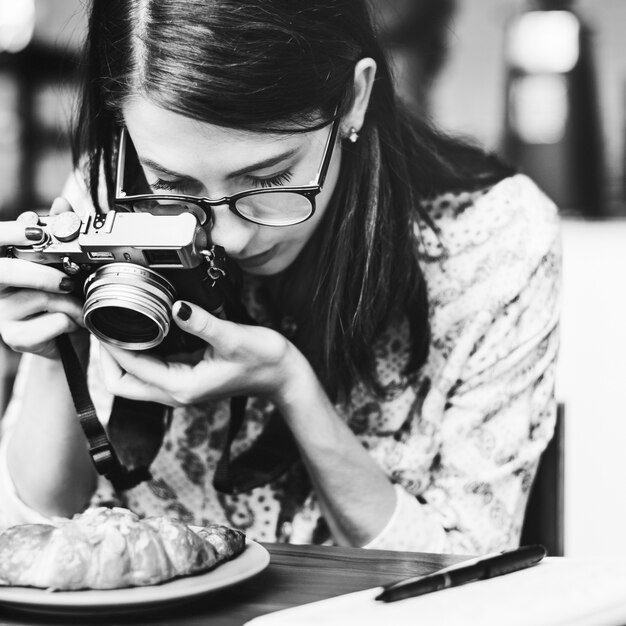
x=356, y=496
x=47, y=457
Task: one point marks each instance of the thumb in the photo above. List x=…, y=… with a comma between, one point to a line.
x=60, y=205
x=196, y=321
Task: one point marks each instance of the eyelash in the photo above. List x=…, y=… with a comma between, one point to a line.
x=274, y=181
x=261, y=183
x=166, y=185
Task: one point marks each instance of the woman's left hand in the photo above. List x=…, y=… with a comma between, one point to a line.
x=238, y=360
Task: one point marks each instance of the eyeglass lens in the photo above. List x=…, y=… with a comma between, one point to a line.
x=271, y=208
x=274, y=208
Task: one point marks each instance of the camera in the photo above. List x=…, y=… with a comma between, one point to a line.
x=132, y=267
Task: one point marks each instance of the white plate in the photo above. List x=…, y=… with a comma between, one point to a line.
x=251, y=561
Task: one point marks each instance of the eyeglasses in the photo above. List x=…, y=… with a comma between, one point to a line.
x=273, y=206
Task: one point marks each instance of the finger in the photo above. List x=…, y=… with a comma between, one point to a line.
x=111, y=370
x=17, y=233
x=194, y=320
x=21, y=273
x=142, y=366
x=24, y=336
x=181, y=383
x=122, y=383
x=60, y=205
x=25, y=303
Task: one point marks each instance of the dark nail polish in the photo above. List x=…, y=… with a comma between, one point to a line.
x=33, y=233
x=66, y=284
x=184, y=312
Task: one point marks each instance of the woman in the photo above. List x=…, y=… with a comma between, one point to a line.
x=406, y=328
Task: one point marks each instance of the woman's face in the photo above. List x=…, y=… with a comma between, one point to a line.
x=182, y=155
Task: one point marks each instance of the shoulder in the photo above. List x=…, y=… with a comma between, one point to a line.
x=467, y=220
x=487, y=243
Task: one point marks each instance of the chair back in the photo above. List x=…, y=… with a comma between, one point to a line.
x=544, y=518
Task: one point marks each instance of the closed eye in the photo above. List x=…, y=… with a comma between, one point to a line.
x=274, y=181
x=174, y=186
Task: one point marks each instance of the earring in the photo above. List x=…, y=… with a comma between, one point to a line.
x=353, y=135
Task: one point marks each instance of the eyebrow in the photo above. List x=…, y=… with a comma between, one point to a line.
x=259, y=165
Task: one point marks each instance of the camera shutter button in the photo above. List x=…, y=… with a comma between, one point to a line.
x=66, y=226
x=28, y=218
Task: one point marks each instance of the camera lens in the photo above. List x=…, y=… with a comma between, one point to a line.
x=125, y=326
x=128, y=306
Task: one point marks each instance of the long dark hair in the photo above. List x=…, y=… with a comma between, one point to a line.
x=271, y=65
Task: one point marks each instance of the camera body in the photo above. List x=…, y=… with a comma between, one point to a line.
x=132, y=267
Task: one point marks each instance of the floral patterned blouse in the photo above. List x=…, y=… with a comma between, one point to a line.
x=460, y=439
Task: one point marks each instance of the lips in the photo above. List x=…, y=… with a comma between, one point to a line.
x=256, y=260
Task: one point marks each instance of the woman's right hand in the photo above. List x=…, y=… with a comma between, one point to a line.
x=36, y=301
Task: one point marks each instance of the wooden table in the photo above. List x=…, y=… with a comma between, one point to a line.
x=296, y=575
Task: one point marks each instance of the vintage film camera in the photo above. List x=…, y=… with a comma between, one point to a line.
x=132, y=267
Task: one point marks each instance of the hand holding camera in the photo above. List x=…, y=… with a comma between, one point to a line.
x=239, y=360
x=37, y=302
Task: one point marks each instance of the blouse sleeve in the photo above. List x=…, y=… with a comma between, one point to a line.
x=12, y=509
x=465, y=456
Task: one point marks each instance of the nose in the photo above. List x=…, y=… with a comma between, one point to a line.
x=230, y=231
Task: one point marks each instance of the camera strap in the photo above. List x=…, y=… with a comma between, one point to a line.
x=104, y=457
x=271, y=454
x=274, y=450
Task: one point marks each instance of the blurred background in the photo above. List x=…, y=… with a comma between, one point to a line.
x=542, y=82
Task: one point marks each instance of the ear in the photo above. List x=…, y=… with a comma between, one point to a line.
x=364, y=74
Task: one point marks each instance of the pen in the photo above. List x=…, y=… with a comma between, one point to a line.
x=462, y=573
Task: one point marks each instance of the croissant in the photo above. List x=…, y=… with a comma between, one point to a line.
x=111, y=548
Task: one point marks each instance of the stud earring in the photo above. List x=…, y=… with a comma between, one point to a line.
x=353, y=135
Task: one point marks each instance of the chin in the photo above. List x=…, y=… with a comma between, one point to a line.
x=275, y=266
x=278, y=263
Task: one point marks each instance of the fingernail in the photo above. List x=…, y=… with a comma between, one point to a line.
x=33, y=233
x=184, y=312
x=66, y=284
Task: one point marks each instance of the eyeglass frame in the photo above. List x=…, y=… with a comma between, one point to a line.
x=310, y=192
